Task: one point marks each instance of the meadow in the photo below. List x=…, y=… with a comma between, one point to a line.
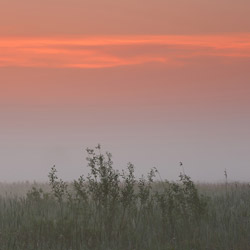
x=112, y=210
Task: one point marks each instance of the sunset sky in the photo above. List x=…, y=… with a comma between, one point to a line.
x=154, y=82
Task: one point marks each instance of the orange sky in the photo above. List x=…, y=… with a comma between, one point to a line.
x=113, y=51
x=156, y=82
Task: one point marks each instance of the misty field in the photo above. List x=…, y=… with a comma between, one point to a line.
x=111, y=210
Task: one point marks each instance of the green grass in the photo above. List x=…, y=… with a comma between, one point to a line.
x=112, y=210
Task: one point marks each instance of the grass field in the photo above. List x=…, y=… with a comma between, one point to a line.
x=112, y=210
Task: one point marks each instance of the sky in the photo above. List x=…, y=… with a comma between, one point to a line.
x=154, y=82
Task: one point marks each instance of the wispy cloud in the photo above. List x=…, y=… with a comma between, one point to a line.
x=114, y=51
